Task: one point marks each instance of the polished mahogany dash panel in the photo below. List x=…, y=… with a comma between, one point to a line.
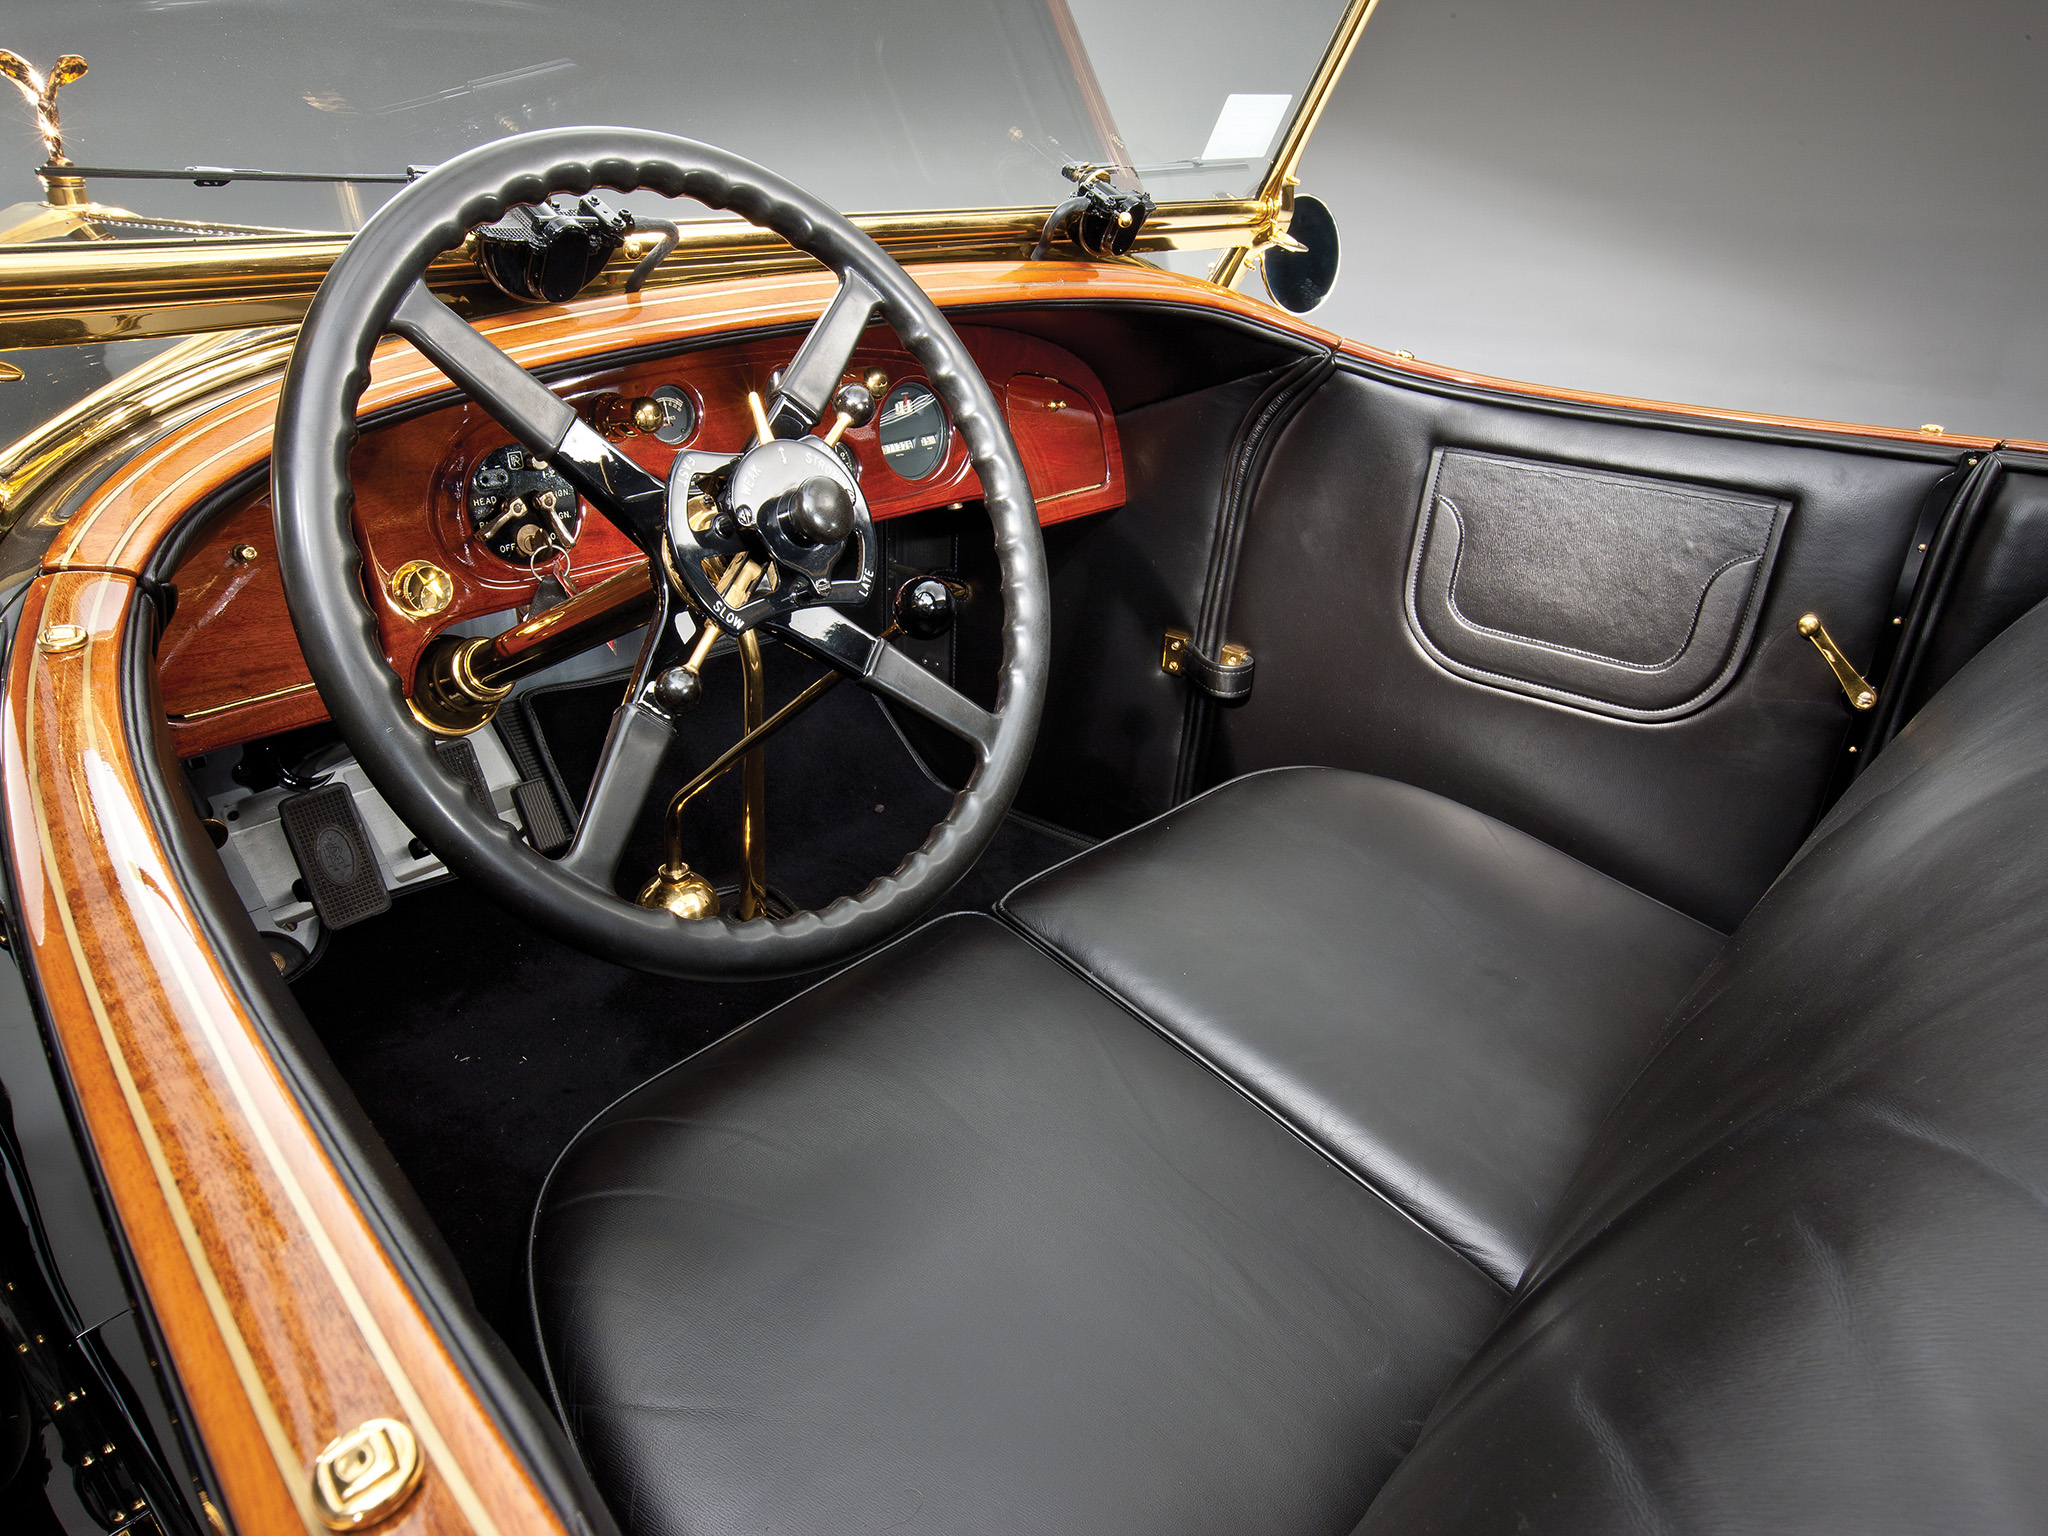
x=230, y=663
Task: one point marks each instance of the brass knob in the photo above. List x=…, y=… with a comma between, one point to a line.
x=681, y=892
x=876, y=380
x=421, y=589
x=615, y=416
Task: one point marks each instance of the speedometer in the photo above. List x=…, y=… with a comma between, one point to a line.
x=913, y=430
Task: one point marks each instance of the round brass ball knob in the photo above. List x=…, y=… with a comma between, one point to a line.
x=648, y=415
x=681, y=892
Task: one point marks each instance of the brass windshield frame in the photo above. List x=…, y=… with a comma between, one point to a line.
x=65, y=293
x=1276, y=192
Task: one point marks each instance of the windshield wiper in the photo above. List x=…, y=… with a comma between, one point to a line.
x=221, y=175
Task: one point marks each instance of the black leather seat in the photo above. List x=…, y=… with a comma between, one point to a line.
x=955, y=1241
x=1443, y=1004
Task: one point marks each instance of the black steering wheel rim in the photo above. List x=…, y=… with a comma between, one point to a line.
x=321, y=565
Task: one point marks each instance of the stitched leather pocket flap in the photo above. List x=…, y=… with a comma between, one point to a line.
x=1614, y=593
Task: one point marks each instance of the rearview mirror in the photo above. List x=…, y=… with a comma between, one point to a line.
x=1299, y=280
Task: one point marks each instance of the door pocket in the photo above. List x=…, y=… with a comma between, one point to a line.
x=1623, y=595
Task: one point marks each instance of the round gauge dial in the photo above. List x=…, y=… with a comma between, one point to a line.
x=913, y=430
x=522, y=511
x=678, y=416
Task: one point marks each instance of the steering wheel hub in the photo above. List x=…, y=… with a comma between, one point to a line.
x=789, y=502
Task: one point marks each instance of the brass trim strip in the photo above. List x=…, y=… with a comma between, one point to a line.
x=220, y=709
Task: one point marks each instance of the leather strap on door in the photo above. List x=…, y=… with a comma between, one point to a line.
x=1225, y=677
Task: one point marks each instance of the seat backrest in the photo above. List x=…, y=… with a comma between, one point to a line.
x=1801, y=1280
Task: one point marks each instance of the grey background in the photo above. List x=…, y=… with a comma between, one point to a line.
x=1830, y=208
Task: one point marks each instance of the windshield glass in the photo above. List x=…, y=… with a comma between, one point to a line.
x=873, y=105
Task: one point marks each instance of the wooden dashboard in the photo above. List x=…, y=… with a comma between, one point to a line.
x=229, y=663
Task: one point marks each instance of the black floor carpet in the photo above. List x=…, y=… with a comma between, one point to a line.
x=479, y=1046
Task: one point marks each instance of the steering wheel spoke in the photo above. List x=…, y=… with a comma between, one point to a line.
x=880, y=668
x=813, y=374
x=634, y=500
x=634, y=750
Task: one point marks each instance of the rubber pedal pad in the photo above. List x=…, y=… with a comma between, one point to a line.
x=326, y=835
x=460, y=759
x=546, y=828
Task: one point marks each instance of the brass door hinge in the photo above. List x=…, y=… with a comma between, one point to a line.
x=1227, y=676
x=1861, y=694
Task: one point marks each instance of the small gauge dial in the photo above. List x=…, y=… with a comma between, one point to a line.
x=678, y=416
x=913, y=430
x=521, y=510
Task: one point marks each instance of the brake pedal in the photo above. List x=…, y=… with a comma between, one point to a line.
x=326, y=835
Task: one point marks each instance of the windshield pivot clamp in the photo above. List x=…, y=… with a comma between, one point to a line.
x=1103, y=220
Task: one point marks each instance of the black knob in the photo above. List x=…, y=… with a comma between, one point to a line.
x=924, y=607
x=678, y=690
x=820, y=511
x=856, y=402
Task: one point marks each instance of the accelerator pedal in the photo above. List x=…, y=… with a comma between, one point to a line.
x=343, y=880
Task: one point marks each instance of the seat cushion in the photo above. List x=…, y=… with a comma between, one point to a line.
x=1799, y=1282
x=1445, y=1004
x=953, y=1243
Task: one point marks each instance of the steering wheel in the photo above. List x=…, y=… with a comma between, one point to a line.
x=800, y=516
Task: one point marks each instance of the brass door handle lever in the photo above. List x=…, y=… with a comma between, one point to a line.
x=1861, y=694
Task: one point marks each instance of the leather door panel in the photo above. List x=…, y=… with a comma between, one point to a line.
x=1111, y=737
x=1700, y=811
x=1626, y=596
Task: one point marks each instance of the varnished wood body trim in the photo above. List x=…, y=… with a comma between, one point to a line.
x=286, y=1321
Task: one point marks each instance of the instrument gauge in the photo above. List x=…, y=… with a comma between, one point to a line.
x=520, y=509
x=914, y=430
x=678, y=416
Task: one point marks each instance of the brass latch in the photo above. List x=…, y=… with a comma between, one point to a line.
x=1861, y=694
x=1227, y=676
